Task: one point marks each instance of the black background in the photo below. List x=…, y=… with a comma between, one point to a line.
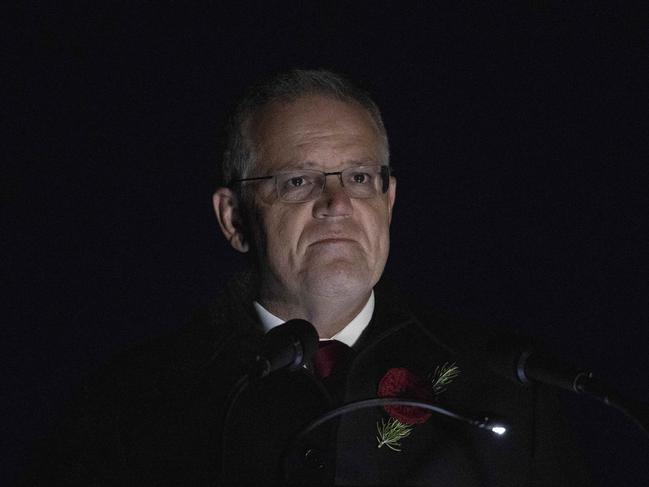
x=518, y=133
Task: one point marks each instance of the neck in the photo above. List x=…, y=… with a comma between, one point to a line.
x=328, y=315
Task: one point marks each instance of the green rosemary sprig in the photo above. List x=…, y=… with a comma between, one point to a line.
x=443, y=376
x=391, y=433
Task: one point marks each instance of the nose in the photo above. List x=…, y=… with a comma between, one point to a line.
x=334, y=201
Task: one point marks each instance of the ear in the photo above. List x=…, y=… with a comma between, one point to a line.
x=228, y=213
x=392, y=194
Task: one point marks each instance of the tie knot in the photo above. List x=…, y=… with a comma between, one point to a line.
x=331, y=355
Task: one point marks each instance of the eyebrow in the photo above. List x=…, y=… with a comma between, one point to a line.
x=314, y=165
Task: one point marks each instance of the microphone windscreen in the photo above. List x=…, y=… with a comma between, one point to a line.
x=290, y=344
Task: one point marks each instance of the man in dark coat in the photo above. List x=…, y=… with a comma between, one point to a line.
x=307, y=192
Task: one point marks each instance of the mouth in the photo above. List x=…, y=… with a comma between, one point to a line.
x=332, y=241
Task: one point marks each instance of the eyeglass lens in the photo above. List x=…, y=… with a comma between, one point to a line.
x=307, y=184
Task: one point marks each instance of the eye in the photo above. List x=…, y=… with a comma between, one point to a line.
x=296, y=182
x=293, y=182
x=361, y=178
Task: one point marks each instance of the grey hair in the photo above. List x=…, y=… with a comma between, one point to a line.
x=239, y=157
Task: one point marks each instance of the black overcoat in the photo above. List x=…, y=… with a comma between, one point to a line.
x=157, y=415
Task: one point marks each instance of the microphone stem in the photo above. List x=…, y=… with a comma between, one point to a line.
x=482, y=422
x=236, y=390
x=596, y=389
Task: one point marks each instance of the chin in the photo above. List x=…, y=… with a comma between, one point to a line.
x=338, y=280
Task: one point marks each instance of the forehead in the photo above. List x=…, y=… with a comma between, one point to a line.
x=317, y=131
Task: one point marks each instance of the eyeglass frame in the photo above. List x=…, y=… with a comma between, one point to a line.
x=385, y=173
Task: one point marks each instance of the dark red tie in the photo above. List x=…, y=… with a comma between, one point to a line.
x=332, y=355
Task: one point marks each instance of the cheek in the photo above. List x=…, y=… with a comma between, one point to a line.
x=382, y=244
x=378, y=229
x=283, y=230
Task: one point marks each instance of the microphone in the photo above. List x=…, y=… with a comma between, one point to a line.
x=532, y=366
x=516, y=359
x=525, y=366
x=286, y=346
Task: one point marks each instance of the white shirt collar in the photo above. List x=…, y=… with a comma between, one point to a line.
x=348, y=335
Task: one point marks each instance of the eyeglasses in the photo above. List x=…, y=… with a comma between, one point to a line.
x=303, y=185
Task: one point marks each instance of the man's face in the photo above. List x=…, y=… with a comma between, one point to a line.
x=334, y=246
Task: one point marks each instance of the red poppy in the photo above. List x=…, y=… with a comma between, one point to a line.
x=401, y=382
